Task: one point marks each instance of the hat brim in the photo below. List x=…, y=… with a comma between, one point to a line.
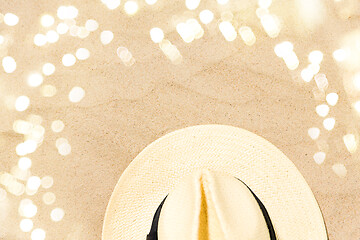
x=276, y=181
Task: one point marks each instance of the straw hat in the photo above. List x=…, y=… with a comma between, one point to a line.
x=212, y=182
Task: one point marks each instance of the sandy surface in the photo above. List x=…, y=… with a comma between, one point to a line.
x=126, y=108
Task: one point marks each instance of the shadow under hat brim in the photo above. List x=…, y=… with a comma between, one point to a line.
x=289, y=201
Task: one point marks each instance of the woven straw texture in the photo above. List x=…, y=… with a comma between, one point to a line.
x=259, y=164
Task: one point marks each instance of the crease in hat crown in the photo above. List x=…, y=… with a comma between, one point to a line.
x=210, y=205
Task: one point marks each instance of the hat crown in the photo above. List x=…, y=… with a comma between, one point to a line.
x=211, y=205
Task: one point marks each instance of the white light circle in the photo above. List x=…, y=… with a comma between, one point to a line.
x=82, y=54
x=106, y=37
x=26, y=225
x=40, y=40
x=22, y=103
x=33, y=183
x=156, y=34
x=47, y=20
x=316, y=57
x=91, y=25
x=62, y=28
x=206, y=16
x=131, y=7
x=11, y=19
x=76, y=94
x=24, y=163
x=38, y=234
x=68, y=60
x=64, y=149
x=9, y=64
x=150, y=2
x=35, y=79
x=48, y=69
x=52, y=36
x=332, y=98
x=57, y=214
x=57, y=126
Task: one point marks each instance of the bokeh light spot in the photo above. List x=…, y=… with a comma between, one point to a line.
x=47, y=182
x=284, y=48
x=22, y=127
x=357, y=106
x=314, y=133
x=67, y=12
x=9, y=64
x=20, y=149
x=82, y=54
x=291, y=61
x=35, y=80
x=247, y=35
x=307, y=75
x=332, y=98
x=76, y=94
x=74, y=30
x=62, y=28
x=350, y=142
x=106, y=37
x=40, y=40
x=11, y=19
x=228, y=31
x=111, y=4
x=156, y=34
x=339, y=55
x=48, y=69
x=57, y=126
x=38, y=234
x=125, y=56
x=150, y=2
x=60, y=141
x=261, y=12
x=27, y=208
x=192, y=4
x=49, y=198
x=271, y=25
x=316, y=57
x=30, y=146
x=321, y=82
x=319, y=157
x=26, y=225
x=52, y=36
x=83, y=32
x=64, y=149
x=329, y=123
x=91, y=25
x=264, y=3
x=35, y=119
x=313, y=68
x=322, y=110
x=33, y=183
x=131, y=7
x=48, y=90
x=57, y=214
x=47, y=20
x=206, y=16
x=68, y=60
x=339, y=169
x=22, y=103
x=24, y=163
